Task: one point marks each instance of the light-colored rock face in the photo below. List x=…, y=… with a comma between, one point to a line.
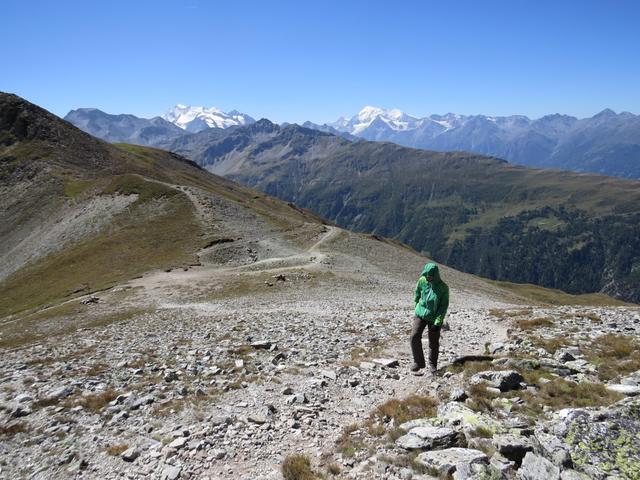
x=447, y=461
x=535, y=467
x=427, y=438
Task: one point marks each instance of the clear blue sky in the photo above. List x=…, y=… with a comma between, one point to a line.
x=298, y=60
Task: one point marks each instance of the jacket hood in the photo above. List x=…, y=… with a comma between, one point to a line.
x=431, y=269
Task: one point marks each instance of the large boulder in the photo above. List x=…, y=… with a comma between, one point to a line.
x=428, y=438
x=446, y=462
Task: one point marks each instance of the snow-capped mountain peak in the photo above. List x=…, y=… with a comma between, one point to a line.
x=395, y=120
x=195, y=119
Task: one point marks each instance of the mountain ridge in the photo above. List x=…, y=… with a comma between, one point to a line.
x=607, y=143
x=555, y=140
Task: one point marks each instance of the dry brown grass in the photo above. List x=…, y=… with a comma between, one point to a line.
x=13, y=428
x=97, y=369
x=551, y=345
x=297, y=467
x=97, y=401
x=532, y=324
x=333, y=468
x=614, y=355
x=115, y=450
x=347, y=444
x=502, y=313
x=560, y=393
x=409, y=408
x=480, y=398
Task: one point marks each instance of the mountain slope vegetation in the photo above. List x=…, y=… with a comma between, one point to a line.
x=80, y=215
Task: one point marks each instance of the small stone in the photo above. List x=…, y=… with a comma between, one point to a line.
x=59, y=393
x=178, y=442
x=564, y=356
x=330, y=374
x=627, y=390
x=387, y=362
x=262, y=345
x=170, y=376
x=171, y=472
x=258, y=419
x=23, y=397
x=458, y=395
x=21, y=410
x=219, y=453
x=130, y=454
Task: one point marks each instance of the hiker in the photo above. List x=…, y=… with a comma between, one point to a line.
x=431, y=303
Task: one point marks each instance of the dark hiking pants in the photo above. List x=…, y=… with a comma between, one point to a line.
x=416, y=342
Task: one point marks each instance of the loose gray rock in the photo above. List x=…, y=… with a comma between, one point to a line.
x=628, y=390
x=535, y=467
x=130, y=454
x=387, y=362
x=178, y=442
x=171, y=473
x=514, y=447
x=458, y=395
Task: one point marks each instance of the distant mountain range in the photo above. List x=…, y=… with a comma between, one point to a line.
x=607, y=143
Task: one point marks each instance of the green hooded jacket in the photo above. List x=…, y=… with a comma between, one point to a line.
x=431, y=298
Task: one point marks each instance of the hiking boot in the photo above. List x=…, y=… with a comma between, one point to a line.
x=415, y=367
x=433, y=371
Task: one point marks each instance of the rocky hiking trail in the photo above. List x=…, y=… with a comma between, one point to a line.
x=268, y=349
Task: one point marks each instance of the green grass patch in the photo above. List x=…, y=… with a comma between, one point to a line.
x=134, y=184
x=75, y=188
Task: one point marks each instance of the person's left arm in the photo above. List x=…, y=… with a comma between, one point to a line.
x=443, y=305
